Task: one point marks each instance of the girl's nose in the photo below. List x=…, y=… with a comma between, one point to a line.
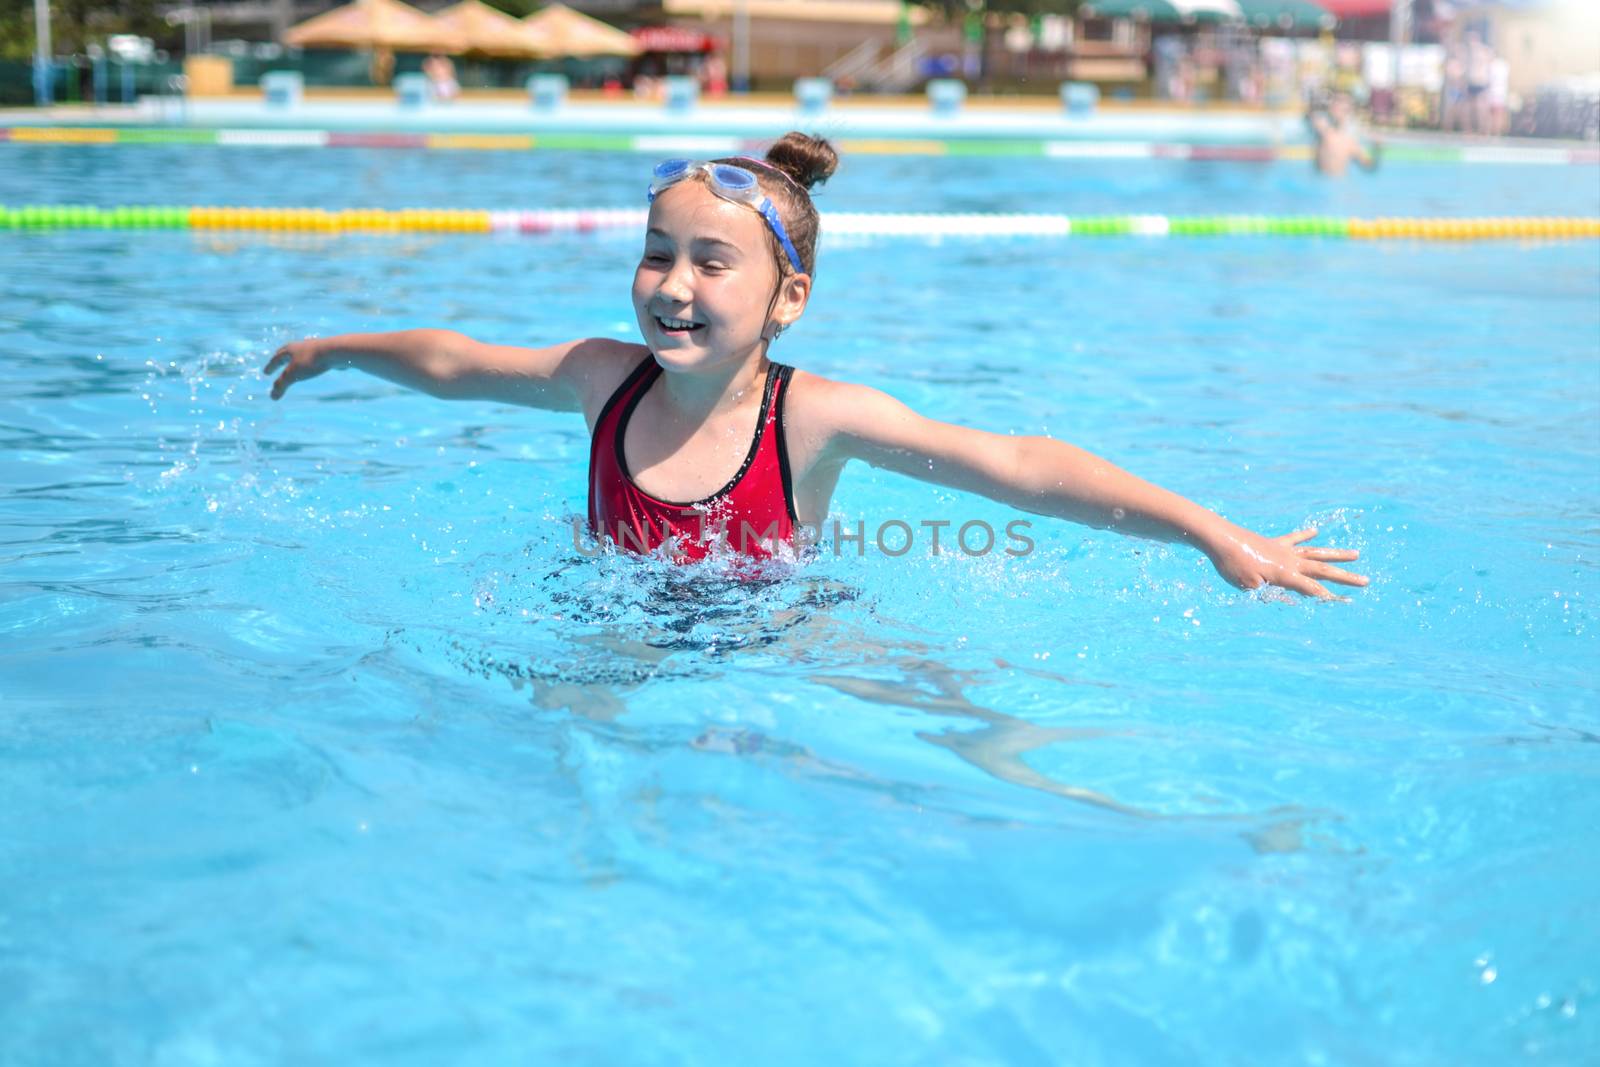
x=675, y=284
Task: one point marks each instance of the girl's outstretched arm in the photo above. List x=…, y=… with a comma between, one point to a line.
x=452, y=366
x=1050, y=477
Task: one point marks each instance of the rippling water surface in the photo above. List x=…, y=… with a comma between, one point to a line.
x=318, y=740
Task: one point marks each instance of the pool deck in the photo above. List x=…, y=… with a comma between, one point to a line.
x=904, y=124
x=752, y=119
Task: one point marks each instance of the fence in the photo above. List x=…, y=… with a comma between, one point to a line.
x=75, y=80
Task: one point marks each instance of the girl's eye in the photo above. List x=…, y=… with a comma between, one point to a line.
x=655, y=257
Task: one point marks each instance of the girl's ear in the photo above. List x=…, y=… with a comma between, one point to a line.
x=792, y=300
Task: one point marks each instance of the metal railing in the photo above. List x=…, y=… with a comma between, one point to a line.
x=901, y=70
x=853, y=64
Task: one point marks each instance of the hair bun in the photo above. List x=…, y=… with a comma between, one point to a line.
x=808, y=160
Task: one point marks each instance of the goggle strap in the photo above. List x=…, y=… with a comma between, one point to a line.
x=771, y=215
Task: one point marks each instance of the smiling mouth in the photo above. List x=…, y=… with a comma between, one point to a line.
x=678, y=326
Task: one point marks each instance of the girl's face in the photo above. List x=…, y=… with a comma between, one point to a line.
x=706, y=278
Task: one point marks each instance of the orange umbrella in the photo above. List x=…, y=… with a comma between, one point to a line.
x=488, y=32
x=565, y=32
x=381, y=25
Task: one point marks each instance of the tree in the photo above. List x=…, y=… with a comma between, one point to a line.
x=76, y=23
x=959, y=10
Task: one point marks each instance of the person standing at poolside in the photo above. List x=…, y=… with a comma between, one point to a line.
x=1453, y=94
x=1499, y=97
x=1480, y=75
x=714, y=75
x=441, y=75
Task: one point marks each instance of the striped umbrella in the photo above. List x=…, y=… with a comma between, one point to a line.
x=566, y=32
x=1286, y=14
x=489, y=32
x=1166, y=10
x=382, y=25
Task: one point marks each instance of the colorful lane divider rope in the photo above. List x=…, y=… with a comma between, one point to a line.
x=708, y=144
x=427, y=220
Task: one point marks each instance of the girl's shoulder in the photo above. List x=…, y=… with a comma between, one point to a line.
x=830, y=400
x=839, y=421
x=604, y=365
x=809, y=398
x=824, y=410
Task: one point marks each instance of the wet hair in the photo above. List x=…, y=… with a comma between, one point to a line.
x=795, y=162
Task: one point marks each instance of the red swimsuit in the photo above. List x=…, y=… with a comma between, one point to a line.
x=751, y=513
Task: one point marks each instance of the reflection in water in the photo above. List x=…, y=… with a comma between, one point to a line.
x=612, y=626
x=997, y=747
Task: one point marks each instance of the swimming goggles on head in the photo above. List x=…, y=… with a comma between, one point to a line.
x=732, y=183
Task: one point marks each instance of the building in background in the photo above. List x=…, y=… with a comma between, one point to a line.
x=880, y=44
x=1542, y=41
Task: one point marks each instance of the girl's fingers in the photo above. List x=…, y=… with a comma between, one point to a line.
x=1299, y=535
x=1310, y=587
x=1300, y=583
x=1328, y=554
x=277, y=357
x=1335, y=574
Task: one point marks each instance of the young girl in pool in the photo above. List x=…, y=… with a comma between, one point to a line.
x=699, y=423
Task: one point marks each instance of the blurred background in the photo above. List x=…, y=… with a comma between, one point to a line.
x=1518, y=67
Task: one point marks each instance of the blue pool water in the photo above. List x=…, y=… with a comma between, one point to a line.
x=319, y=742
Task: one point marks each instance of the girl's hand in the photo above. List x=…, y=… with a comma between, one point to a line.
x=1249, y=560
x=300, y=360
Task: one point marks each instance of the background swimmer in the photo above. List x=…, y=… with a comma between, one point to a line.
x=1338, y=138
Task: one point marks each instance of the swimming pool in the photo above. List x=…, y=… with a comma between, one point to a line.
x=321, y=741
